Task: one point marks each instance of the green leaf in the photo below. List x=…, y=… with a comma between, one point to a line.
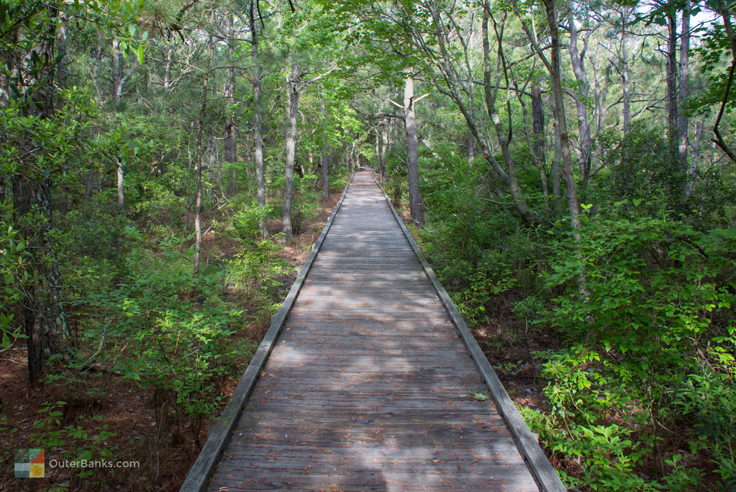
x=140, y=51
x=478, y=395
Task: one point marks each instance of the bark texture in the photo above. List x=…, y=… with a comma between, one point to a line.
x=412, y=158
x=291, y=131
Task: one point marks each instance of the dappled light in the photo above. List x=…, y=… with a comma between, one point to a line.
x=368, y=245
x=368, y=386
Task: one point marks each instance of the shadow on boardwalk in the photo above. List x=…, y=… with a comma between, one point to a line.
x=367, y=386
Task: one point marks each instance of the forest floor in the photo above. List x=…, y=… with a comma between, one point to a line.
x=510, y=350
x=119, y=423
x=510, y=345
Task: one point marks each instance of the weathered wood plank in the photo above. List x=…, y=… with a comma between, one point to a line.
x=367, y=386
x=544, y=473
x=219, y=432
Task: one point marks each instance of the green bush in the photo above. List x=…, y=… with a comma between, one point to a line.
x=170, y=331
x=654, y=342
x=709, y=399
x=257, y=272
x=13, y=274
x=587, y=396
x=652, y=286
x=246, y=222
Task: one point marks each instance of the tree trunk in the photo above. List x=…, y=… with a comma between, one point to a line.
x=231, y=123
x=509, y=176
x=559, y=108
x=324, y=162
x=624, y=70
x=671, y=76
x=692, y=172
x=120, y=171
x=43, y=315
x=117, y=73
x=682, y=95
x=291, y=131
x=258, y=119
x=412, y=160
x=63, y=72
x=117, y=96
x=537, y=142
x=538, y=126
x=557, y=159
x=581, y=76
x=351, y=157
x=555, y=72
x=384, y=147
x=377, y=145
x=601, y=95
x=198, y=214
x=324, y=158
x=198, y=173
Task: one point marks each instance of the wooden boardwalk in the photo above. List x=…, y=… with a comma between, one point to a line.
x=366, y=386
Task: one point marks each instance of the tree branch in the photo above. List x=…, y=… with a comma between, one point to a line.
x=719, y=139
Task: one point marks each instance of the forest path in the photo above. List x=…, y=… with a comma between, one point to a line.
x=366, y=387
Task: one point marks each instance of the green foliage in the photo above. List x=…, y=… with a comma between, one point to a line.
x=583, y=392
x=530, y=309
x=246, y=222
x=654, y=341
x=652, y=287
x=72, y=442
x=169, y=330
x=641, y=301
x=709, y=398
x=496, y=254
x=38, y=147
x=641, y=164
x=338, y=179
x=395, y=185
x=13, y=274
x=306, y=203
x=257, y=272
x=714, y=50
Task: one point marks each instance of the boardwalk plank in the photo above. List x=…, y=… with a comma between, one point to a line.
x=367, y=385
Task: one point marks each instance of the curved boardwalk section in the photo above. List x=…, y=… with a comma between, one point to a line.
x=367, y=385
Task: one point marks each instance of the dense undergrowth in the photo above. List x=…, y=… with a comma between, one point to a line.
x=141, y=317
x=639, y=394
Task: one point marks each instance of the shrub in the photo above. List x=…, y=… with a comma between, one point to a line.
x=652, y=288
x=256, y=272
x=170, y=331
x=653, y=348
